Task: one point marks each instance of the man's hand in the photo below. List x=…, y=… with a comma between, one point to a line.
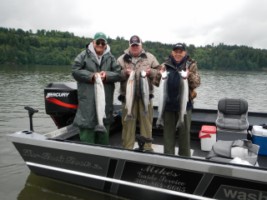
x=103, y=75
x=184, y=74
x=148, y=70
x=128, y=71
x=162, y=69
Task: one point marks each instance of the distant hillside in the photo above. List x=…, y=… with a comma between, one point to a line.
x=60, y=48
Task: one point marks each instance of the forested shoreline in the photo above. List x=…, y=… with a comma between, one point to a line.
x=20, y=47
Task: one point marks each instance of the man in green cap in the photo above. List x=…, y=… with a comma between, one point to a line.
x=95, y=59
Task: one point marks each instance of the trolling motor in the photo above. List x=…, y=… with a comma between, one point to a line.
x=31, y=112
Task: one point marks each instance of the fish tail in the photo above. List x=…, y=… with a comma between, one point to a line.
x=179, y=123
x=145, y=112
x=129, y=117
x=100, y=129
x=159, y=123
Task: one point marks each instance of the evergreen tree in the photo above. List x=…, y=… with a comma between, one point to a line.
x=60, y=48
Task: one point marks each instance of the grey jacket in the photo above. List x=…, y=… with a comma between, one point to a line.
x=83, y=69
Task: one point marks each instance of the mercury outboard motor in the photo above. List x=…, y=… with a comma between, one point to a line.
x=61, y=102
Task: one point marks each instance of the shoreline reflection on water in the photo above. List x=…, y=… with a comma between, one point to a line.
x=42, y=188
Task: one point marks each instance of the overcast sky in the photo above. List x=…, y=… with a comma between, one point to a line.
x=198, y=22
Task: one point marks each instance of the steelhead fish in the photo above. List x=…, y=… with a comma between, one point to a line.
x=144, y=91
x=100, y=103
x=130, y=91
x=184, y=97
x=162, y=97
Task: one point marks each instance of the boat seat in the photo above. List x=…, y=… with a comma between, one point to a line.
x=232, y=116
x=229, y=151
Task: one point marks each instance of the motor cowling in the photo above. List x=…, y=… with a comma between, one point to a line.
x=61, y=102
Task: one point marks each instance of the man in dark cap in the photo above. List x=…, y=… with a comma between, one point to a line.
x=136, y=59
x=179, y=66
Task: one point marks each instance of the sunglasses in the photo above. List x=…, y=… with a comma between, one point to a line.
x=102, y=43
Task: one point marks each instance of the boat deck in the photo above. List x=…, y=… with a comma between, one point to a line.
x=158, y=147
x=196, y=152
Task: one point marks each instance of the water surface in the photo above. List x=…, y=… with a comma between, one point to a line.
x=23, y=86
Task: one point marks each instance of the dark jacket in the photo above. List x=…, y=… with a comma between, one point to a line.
x=174, y=82
x=83, y=69
x=173, y=86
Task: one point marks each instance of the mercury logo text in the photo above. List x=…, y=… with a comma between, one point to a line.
x=57, y=94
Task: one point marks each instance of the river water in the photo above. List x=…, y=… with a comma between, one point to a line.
x=23, y=86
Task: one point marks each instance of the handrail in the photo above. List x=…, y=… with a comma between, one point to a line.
x=127, y=183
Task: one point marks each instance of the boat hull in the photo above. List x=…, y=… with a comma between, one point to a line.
x=137, y=175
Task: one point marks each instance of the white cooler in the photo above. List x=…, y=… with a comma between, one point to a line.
x=207, y=137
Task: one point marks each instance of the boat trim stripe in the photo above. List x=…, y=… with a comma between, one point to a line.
x=127, y=183
x=61, y=103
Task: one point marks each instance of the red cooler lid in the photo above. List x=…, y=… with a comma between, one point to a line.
x=203, y=135
x=208, y=129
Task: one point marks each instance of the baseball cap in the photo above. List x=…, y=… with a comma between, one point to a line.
x=180, y=46
x=99, y=36
x=135, y=40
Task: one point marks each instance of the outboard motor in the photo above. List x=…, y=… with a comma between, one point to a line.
x=61, y=102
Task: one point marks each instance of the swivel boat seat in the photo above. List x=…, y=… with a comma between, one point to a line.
x=232, y=124
x=232, y=119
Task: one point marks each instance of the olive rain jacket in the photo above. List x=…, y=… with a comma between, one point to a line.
x=83, y=69
x=144, y=61
x=173, y=83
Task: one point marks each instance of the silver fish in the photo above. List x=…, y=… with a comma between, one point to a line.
x=183, y=99
x=162, y=98
x=130, y=92
x=144, y=91
x=100, y=103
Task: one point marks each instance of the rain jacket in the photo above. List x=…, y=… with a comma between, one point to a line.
x=85, y=65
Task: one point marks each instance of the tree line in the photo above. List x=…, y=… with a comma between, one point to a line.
x=60, y=48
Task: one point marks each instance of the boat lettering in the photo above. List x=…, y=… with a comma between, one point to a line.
x=152, y=177
x=60, y=159
x=160, y=171
x=160, y=177
x=57, y=94
x=157, y=183
x=168, y=181
x=237, y=193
